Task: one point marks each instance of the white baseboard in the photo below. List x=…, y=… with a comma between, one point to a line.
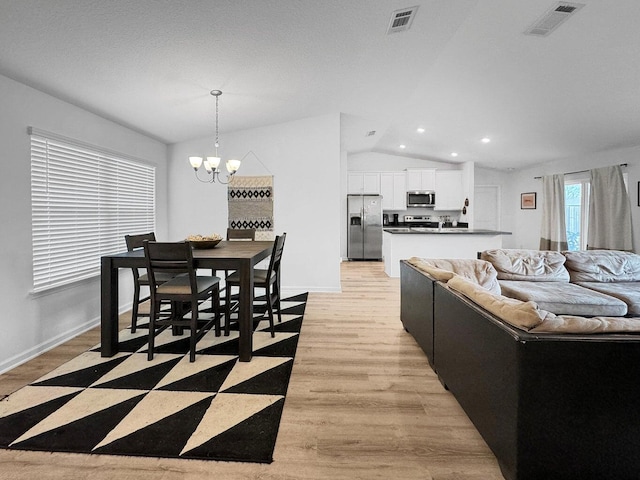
x=43, y=347
x=39, y=349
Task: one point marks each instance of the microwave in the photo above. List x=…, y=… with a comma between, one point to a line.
x=421, y=198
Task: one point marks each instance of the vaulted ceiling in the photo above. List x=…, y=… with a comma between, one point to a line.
x=462, y=71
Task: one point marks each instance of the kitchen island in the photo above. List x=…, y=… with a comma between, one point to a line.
x=401, y=243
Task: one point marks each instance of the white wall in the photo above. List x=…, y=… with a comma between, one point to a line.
x=304, y=158
x=32, y=324
x=384, y=162
x=525, y=224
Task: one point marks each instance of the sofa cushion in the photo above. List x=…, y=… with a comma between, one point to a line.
x=564, y=298
x=528, y=316
x=477, y=271
x=628, y=292
x=530, y=265
x=603, y=266
x=524, y=315
x=574, y=324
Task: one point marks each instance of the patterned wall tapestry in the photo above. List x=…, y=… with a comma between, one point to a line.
x=251, y=205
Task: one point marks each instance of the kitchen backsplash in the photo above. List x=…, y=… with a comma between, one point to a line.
x=453, y=215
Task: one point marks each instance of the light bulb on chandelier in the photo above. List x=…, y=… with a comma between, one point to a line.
x=211, y=164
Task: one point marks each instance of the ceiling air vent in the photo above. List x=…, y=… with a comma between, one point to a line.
x=401, y=19
x=552, y=19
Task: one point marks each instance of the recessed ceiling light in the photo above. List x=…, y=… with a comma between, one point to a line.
x=403, y=146
x=485, y=140
x=420, y=130
x=454, y=154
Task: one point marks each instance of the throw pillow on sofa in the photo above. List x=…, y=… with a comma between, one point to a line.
x=442, y=269
x=529, y=265
x=603, y=266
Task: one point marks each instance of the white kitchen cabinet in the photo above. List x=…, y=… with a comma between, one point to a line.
x=371, y=182
x=448, y=188
x=363, y=182
x=355, y=183
x=393, y=190
x=420, y=179
x=399, y=191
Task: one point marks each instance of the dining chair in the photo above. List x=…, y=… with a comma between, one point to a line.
x=269, y=279
x=184, y=289
x=141, y=279
x=238, y=234
x=241, y=234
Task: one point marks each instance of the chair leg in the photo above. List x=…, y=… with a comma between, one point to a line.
x=216, y=309
x=152, y=330
x=270, y=310
x=134, y=309
x=227, y=310
x=276, y=288
x=177, y=312
x=194, y=331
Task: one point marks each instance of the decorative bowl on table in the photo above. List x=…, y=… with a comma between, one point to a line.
x=201, y=242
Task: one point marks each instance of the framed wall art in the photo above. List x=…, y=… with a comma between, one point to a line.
x=528, y=201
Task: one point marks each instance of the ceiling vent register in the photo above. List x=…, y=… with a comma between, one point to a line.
x=553, y=18
x=402, y=19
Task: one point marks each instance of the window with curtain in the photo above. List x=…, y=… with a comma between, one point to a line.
x=576, y=196
x=576, y=204
x=83, y=201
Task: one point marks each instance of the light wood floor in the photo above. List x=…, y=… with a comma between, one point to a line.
x=362, y=404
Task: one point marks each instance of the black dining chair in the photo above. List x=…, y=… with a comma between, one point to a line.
x=268, y=279
x=141, y=279
x=237, y=234
x=241, y=234
x=184, y=289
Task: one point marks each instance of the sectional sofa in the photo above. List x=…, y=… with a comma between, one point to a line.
x=553, y=393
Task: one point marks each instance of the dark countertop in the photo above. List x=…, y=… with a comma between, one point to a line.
x=445, y=231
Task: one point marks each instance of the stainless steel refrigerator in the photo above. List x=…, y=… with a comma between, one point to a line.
x=364, y=216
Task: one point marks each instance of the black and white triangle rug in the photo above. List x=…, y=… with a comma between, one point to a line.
x=215, y=408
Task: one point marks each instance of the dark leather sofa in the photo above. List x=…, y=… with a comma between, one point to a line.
x=550, y=406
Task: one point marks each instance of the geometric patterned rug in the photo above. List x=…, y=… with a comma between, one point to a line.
x=215, y=408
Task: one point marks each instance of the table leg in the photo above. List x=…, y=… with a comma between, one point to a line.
x=109, y=308
x=245, y=313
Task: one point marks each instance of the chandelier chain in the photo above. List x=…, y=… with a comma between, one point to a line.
x=217, y=135
x=211, y=164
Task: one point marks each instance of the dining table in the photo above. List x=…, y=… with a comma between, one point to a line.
x=242, y=256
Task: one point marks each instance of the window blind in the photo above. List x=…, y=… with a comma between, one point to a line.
x=83, y=201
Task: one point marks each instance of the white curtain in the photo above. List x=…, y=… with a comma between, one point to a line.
x=609, y=211
x=553, y=234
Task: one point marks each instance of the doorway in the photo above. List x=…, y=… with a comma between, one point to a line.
x=487, y=211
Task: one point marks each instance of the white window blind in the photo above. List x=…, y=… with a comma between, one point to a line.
x=83, y=201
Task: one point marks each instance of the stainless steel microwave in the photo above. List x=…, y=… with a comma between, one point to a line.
x=421, y=198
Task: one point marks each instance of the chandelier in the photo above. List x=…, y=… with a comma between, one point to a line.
x=211, y=164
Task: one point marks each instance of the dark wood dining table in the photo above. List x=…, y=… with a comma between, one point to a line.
x=234, y=255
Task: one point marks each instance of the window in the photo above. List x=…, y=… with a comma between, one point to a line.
x=83, y=201
x=576, y=207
